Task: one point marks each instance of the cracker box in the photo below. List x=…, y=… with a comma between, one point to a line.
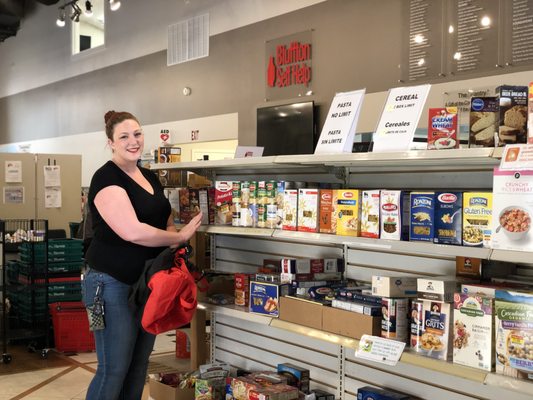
x=435, y=340
x=308, y=210
x=442, y=128
x=394, y=215
x=421, y=226
x=290, y=210
x=223, y=202
x=514, y=334
x=448, y=218
x=394, y=322
x=484, y=116
x=473, y=331
x=530, y=114
x=348, y=209
x=512, y=210
x=477, y=219
x=327, y=213
x=370, y=213
x=513, y=114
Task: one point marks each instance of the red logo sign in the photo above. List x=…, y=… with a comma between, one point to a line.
x=289, y=66
x=389, y=207
x=326, y=196
x=447, y=198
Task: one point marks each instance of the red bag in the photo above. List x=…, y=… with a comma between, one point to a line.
x=173, y=298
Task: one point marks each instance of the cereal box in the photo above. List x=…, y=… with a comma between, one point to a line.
x=223, y=196
x=308, y=210
x=512, y=208
x=327, y=215
x=442, y=128
x=421, y=226
x=514, y=334
x=416, y=322
x=484, y=114
x=370, y=213
x=348, y=209
x=290, y=210
x=394, y=215
x=513, y=114
x=473, y=331
x=435, y=340
x=448, y=218
x=477, y=218
x=394, y=313
x=530, y=114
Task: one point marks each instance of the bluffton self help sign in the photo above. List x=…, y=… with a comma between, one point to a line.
x=339, y=129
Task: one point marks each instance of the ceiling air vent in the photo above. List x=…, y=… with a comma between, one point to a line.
x=188, y=40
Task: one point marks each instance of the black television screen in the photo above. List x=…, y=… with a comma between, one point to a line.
x=286, y=129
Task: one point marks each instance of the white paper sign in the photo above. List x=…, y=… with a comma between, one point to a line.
x=13, y=171
x=52, y=175
x=339, y=129
x=517, y=157
x=399, y=119
x=375, y=348
x=14, y=195
x=52, y=197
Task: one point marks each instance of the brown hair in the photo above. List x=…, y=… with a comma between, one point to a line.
x=113, y=118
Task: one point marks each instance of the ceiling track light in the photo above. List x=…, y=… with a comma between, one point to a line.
x=61, y=17
x=88, y=8
x=114, y=5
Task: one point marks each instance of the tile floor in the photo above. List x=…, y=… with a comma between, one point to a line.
x=66, y=377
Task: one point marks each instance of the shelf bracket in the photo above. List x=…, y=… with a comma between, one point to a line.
x=341, y=173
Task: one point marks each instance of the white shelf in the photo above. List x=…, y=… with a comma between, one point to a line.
x=520, y=257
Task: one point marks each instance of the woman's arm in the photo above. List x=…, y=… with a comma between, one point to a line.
x=114, y=205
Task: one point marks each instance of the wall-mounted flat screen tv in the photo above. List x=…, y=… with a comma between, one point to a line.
x=286, y=129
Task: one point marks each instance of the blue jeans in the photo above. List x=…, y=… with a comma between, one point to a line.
x=122, y=347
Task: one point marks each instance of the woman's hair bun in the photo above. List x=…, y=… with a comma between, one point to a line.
x=108, y=115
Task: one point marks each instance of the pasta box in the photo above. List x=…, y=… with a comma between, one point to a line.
x=348, y=209
x=327, y=216
x=394, y=215
x=308, y=210
x=370, y=214
x=448, y=218
x=514, y=334
x=290, y=210
x=421, y=226
x=512, y=208
x=477, y=218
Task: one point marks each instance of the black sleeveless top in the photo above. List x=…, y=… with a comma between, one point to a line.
x=109, y=253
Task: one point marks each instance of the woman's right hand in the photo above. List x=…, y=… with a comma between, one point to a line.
x=188, y=230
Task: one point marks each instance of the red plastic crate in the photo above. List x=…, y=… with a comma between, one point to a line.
x=71, y=327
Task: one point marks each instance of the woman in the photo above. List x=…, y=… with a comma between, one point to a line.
x=132, y=223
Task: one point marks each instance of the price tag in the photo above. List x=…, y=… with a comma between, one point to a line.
x=380, y=350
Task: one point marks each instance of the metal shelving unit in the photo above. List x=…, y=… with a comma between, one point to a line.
x=253, y=341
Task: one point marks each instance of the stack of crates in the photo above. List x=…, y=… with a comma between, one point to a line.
x=27, y=277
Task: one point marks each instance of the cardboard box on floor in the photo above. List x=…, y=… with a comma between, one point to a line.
x=160, y=391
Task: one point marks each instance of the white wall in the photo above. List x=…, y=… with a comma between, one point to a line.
x=40, y=53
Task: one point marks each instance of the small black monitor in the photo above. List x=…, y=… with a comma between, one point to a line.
x=286, y=129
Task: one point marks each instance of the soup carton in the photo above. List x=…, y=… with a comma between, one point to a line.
x=473, y=331
x=512, y=210
x=477, y=218
x=514, y=334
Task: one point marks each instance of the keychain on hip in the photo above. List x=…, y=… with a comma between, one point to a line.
x=95, y=312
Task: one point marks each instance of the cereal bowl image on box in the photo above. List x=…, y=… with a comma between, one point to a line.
x=515, y=222
x=472, y=236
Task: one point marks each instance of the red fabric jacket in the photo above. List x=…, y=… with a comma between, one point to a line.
x=172, y=300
